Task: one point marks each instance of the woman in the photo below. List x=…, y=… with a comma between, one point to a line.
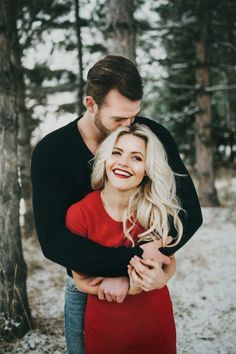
x=134, y=196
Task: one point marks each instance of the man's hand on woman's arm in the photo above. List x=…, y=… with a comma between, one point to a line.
x=152, y=251
x=150, y=274
x=153, y=272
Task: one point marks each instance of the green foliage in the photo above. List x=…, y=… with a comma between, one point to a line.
x=37, y=26
x=175, y=99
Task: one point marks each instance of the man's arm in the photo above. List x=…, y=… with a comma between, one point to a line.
x=50, y=203
x=186, y=192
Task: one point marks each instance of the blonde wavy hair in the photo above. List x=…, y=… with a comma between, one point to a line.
x=154, y=202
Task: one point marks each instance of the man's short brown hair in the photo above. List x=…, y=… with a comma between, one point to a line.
x=114, y=72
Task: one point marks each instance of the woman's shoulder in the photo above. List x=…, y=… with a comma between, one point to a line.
x=91, y=197
x=87, y=202
x=78, y=215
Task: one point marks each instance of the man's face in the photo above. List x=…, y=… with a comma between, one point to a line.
x=115, y=111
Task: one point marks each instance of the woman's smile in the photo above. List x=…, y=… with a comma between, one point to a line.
x=121, y=173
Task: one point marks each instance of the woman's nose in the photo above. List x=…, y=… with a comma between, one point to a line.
x=123, y=161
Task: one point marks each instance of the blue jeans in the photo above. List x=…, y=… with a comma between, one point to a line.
x=75, y=304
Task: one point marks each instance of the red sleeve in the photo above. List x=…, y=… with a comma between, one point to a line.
x=76, y=220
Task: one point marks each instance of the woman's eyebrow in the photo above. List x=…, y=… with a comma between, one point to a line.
x=132, y=152
x=137, y=152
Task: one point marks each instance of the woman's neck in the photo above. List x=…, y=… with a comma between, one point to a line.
x=115, y=201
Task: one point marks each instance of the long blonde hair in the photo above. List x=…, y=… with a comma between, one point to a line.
x=154, y=202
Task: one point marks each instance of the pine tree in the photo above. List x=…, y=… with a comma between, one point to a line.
x=191, y=80
x=203, y=130
x=120, y=31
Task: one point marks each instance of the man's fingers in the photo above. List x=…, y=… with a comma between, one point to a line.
x=169, y=239
x=163, y=259
x=101, y=294
x=159, y=243
x=119, y=299
x=95, y=281
x=108, y=297
x=150, y=263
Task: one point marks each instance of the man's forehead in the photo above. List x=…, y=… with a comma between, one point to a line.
x=122, y=111
x=114, y=96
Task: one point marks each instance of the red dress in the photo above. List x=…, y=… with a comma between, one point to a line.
x=141, y=324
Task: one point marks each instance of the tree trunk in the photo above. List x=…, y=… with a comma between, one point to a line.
x=23, y=136
x=121, y=33
x=14, y=309
x=203, y=127
x=80, y=105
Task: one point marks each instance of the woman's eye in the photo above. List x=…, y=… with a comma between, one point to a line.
x=137, y=158
x=115, y=152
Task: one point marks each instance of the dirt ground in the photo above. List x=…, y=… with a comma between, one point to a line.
x=203, y=293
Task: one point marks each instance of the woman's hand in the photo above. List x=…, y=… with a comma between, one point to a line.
x=134, y=287
x=150, y=275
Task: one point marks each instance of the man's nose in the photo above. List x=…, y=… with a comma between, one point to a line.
x=127, y=122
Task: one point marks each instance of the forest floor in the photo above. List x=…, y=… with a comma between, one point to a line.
x=203, y=292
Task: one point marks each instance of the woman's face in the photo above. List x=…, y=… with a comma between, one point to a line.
x=125, y=168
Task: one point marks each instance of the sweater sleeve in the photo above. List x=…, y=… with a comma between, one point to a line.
x=192, y=217
x=50, y=203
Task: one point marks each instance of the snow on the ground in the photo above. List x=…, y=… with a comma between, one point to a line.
x=204, y=287
x=203, y=293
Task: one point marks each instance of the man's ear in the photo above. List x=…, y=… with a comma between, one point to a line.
x=90, y=104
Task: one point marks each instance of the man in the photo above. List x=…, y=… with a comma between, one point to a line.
x=61, y=167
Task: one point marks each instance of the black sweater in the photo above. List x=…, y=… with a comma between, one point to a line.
x=60, y=171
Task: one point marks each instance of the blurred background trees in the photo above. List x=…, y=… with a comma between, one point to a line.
x=14, y=308
x=185, y=51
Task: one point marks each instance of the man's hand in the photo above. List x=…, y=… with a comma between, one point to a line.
x=95, y=281
x=113, y=289
x=149, y=274
x=151, y=251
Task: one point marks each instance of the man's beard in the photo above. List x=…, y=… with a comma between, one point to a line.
x=103, y=131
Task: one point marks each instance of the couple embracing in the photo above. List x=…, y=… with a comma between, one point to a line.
x=109, y=189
